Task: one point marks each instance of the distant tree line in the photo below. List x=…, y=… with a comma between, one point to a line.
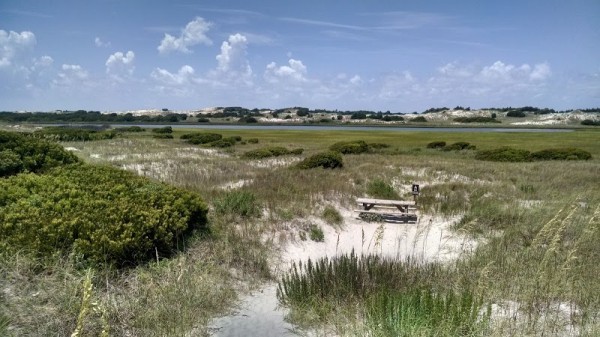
x=82, y=116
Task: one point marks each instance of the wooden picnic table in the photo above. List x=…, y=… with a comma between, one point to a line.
x=402, y=205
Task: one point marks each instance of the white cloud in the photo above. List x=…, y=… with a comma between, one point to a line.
x=11, y=43
x=356, y=80
x=71, y=75
x=232, y=64
x=183, y=76
x=119, y=63
x=193, y=34
x=44, y=61
x=540, y=72
x=294, y=73
x=99, y=43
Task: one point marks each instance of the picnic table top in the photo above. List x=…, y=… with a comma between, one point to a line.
x=385, y=202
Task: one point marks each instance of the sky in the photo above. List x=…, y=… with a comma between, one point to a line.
x=387, y=55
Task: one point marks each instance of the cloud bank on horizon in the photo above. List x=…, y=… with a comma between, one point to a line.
x=380, y=58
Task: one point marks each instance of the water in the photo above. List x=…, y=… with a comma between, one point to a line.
x=259, y=314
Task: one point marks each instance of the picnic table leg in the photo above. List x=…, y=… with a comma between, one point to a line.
x=368, y=206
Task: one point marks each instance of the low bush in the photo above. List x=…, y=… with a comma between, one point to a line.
x=203, y=120
x=478, y=119
x=271, y=151
x=100, y=214
x=504, y=154
x=378, y=188
x=166, y=129
x=350, y=147
x=130, y=129
x=419, y=119
x=70, y=134
x=238, y=203
x=508, y=154
x=561, y=154
x=590, y=122
x=201, y=138
x=459, y=146
x=253, y=141
x=330, y=159
x=436, y=145
x=516, y=113
x=224, y=142
x=21, y=153
x=378, y=146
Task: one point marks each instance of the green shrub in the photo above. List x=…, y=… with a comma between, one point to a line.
x=258, y=154
x=561, y=154
x=419, y=119
x=239, y=203
x=378, y=188
x=459, y=146
x=130, y=129
x=504, y=154
x=225, y=142
x=253, y=141
x=203, y=120
x=70, y=134
x=436, y=145
x=516, y=113
x=163, y=136
x=297, y=151
x=271, y=151
x=332, y=216
x=100, y=214
x=20, y=153
x=478, y=119
x=350, y=147
x=166, y=129
x=378, y=146
x=316, y=233
x=590, y=122
x=201, y=138
x=330, y=159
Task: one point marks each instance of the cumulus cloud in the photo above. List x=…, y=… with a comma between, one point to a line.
x=540, y=72
x=119, y=63
x=295, y=72
x=232, y=64
x=194, y=33
x=180, y=83
x=44, y=61
x=71, y=75
x=11, y=43
x=99, y=43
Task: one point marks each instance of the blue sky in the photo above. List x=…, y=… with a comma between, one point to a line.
x=400, y=56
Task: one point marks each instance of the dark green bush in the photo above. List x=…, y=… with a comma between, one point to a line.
x=70, y=134
x=297, y=151
x=506, y=154
x=316, y=233
x=100, y=214
x=459, y=146
x=378, y=146
x=166, y=129
x=225, y=142
x=419, y=119
x=350, y=147
x=253, y=140
x=378, y=188
x=201, y=138
x=561, y=154
x=163, y=136
x=476, y=120
x=21, y=153
x=130, y=129
x=271, y=151
x=332, y=216
x=436, y=145
x=330, y=159
x=590, y=122
x=203, y=120
x=248, y=119
x=516, y=113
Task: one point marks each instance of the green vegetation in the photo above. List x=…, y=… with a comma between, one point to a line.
x=332, y=216
x=419, y=119
x=271, y=151
x=516, y=113
x=163, y=136
x=350, y=147
x=238, y=203
x=590, y=122
x=201, y=138
x=458, y=146
x=508, y=154
x=130, y=129
x=436, y=145
x=328, y=160
x=316, y=233
x=377, y=188
x=163, y=130
x=20, y=153
x=65, y=134
x=100, y=214
x=476, y=120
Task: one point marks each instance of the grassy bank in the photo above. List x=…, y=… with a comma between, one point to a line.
x=535, y=267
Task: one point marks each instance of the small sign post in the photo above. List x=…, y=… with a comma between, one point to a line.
x=415, y=192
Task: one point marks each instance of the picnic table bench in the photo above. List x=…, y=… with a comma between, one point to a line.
x=390, y=210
